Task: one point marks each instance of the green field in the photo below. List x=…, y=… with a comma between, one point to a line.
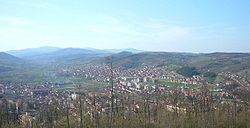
x=170, y=84
x=84, y=83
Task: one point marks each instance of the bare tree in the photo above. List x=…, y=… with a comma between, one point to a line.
x=80, y=105
x=67, y=109
x=110, y=62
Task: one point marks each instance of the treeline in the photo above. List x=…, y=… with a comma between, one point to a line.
x=157, y=110
x=188, y=71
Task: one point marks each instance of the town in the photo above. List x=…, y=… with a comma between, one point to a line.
x=127, y=94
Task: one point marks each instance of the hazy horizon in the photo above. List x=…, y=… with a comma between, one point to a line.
x=162, y=25
x=140, y=50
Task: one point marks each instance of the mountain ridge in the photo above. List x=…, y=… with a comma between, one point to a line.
x=217, y=61
x=32, y=51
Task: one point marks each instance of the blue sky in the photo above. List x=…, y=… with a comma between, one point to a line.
x=156, y=25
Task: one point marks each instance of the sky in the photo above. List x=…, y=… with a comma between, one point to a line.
x=199, y=26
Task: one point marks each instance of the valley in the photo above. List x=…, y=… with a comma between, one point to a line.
x=112, y=89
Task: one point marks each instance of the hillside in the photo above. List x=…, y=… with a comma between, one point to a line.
x=67, y=55
x=14, y=69
x=129, y=60
x=219, y=62
x=9, y=62
x=216, y=62
x=207, y=64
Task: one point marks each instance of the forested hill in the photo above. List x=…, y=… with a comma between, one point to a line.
x=9, y=62
x=183, y=63
x=218, y=62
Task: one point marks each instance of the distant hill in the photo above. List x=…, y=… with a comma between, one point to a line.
x=129, y=60
x=124, y=50
x=32, y=51
x=45, y=55
x=36, y=66
x=7, y=59
x=68, y=55
x=219, y=62
x=14, y=69
x=9, y=62
x=216, y=62
x=133, y=58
